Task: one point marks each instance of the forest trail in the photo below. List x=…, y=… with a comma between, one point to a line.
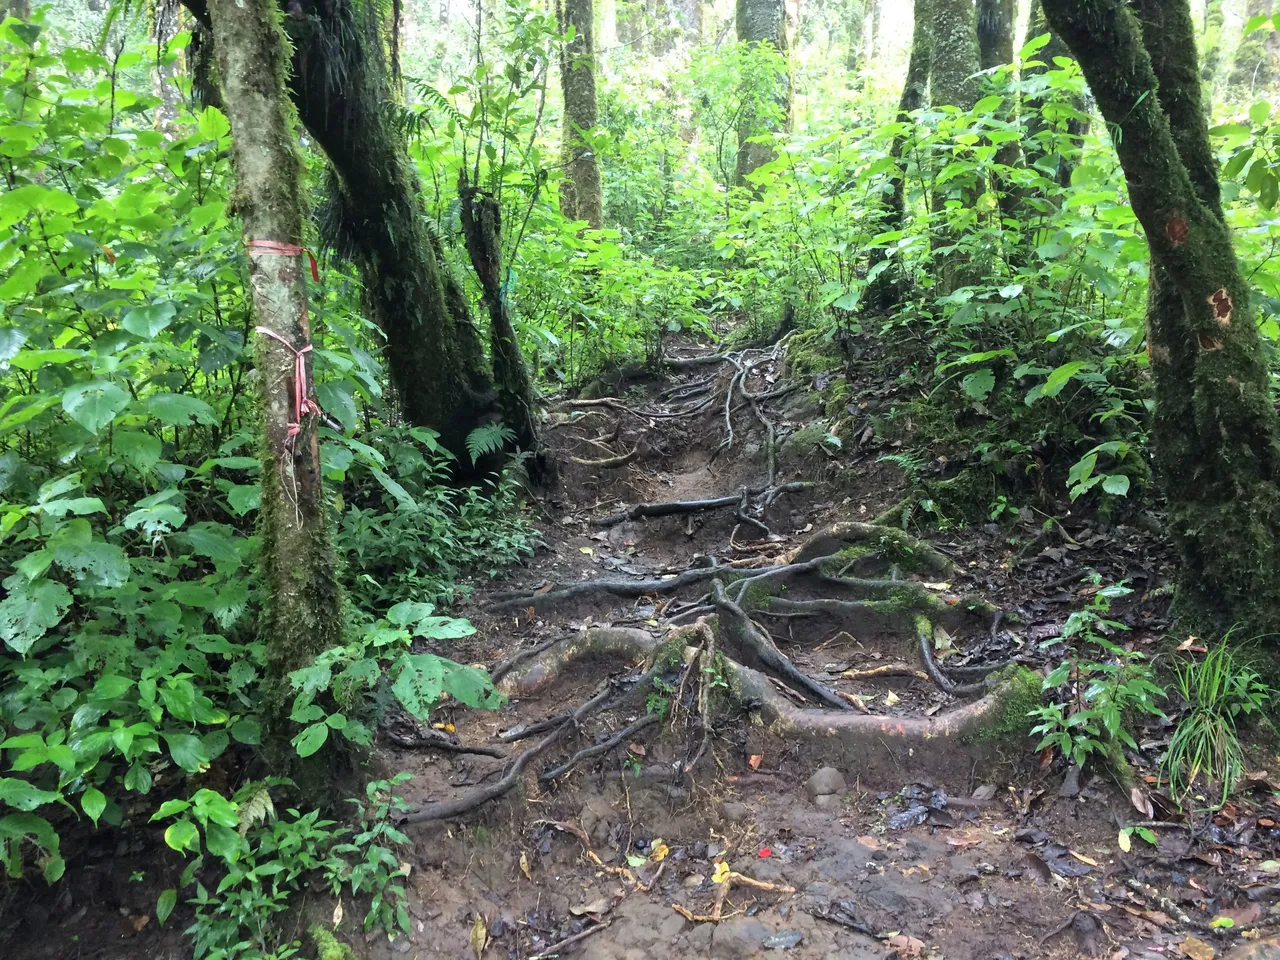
x=894, y=849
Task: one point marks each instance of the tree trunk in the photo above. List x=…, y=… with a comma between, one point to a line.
x=762, y=21
x=302, y=616
x=1214, y=428
x=482, y=230
x=15, y=8
x=955, y=55
x=581, y=192
x=995, y=33
x=873, y=30
x=1211, y=44
x=690, y=12
x=887, y=289
x=340, y=86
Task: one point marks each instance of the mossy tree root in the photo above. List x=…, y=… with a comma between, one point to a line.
x=851, y=539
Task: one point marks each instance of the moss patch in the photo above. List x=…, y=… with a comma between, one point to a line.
x=328, y=947
x=1019, y=690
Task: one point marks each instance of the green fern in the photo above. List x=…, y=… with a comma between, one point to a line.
x=487, y=439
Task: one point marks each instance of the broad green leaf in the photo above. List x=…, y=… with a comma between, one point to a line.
x=978, y=384
x=94, y=404
x=149, y=321
x=156, y=520
x=141, y=450
x=30, y=611
x=311, y=739
x=96, y=564
x=22, y=795
x=470, y=686
x=93, y=802
x=186, y=751
x=165, y=904
x=1116, y=484
x=179, y=409
x=1060, y=376
x=182, y=835
x=419, y=683
x=409, y=611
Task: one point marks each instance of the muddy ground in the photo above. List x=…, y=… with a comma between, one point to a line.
x=989, y=856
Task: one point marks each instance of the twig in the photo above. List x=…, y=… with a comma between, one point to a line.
x=554, y=951
x=935, y=673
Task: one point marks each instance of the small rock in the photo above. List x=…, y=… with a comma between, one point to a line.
x=985, y=792
x=733, y=812
x=828, y=780
x=827, y=801
x=783, y=940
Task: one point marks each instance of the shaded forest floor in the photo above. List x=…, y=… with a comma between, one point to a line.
x=974, y=850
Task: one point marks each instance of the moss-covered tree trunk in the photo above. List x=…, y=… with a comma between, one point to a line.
x=340, y=86
x=853, y=21
x=1211, y=37
x=887, y=288
x=581, y=191
x=762, y=21
x=482, y=230
x=302, y=616
x=1214, y=430
x=955, y=55
x=164, y=27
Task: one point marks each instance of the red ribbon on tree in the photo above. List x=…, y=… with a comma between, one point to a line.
x=302, y=402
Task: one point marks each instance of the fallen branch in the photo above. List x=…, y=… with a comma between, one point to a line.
x=925, y=631
x=608, y=462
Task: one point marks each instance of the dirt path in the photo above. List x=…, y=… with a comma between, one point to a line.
x=894, y=852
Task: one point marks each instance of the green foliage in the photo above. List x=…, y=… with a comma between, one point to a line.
x=1219, y=692
x=1102, y=694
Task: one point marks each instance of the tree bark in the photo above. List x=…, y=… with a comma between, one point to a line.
x=853, y=19
x=1257, y=58
x=1214, y=428
x=302, y=616
x=581, y=191
x=955, y=55
x=482, y=230
x=164, y=27
x=762, y=21
x=995, y=33
x=339, y=84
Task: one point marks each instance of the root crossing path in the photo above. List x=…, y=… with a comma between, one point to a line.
x=712, y=616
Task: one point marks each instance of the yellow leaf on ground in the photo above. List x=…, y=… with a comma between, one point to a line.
x=524, y=865
x=721, y=873
x=1123, y=840
x=479, y=936
x=891, y=698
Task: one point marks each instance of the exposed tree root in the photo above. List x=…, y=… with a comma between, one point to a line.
x=587, y=753
x=896, y=545
x=755, y=644
x=768, y=494
x=617, y=588
x=438, y=741
x=609, y=463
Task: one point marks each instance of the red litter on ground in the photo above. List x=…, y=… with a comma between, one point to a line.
x=766, y=852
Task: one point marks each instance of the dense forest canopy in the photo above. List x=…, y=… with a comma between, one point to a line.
x=308, y=307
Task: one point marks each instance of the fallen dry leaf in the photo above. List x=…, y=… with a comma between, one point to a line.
x=890, y=698
x=1083, y=859
x=1141, y=802
x=638, y=749
x=1197, y=949
x=524, y=865
x=1124, y=842
x=479, y=936
x=598, y=906
x=337, y=915
x=868, y=841
x=755, y=760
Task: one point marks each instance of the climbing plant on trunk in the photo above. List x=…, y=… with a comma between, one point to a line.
x=581, y=191
x=1214, y=430
x=302, y=615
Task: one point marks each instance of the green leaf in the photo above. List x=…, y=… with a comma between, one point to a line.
x=149, y=321
x=93, y=802
x=94, y=404
x=247, y=730
x=311, y=739
x=182, y=835
x=35, y=359
x=54, y=868
x=1060, y=377
x=1116, y=484
x=470, y=686
x=179, y=409
x=409, y=611
x=419, y=683
x=22, y=795
x=141, y=450
x=155, y=521
x=978, y=384
x=165, y=904
x=242, y=498
x=170, y=808
x=96, y=564
x=187, y=751
x=336, y=400
x=30, y=611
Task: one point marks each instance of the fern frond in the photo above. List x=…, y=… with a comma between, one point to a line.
x=255, y=807
x=489, y=438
